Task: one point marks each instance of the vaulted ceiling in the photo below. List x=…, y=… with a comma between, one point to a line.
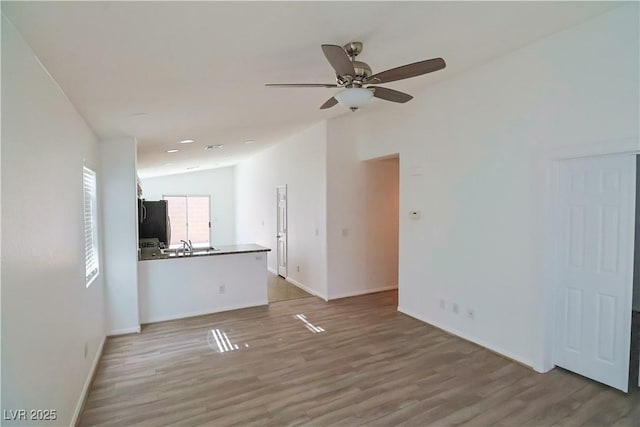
x=169, y=71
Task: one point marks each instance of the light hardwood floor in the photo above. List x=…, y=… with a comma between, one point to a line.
x=355, y=361
x=279, y=289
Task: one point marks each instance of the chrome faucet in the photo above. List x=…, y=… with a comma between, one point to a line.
x=186, y=246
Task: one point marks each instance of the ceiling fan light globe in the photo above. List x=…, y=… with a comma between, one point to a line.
x=354, y=97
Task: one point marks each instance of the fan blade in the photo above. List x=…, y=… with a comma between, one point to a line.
x=408, y=71
x=330, y=103
x=390, y=94
x=300, y=85
x=338, y=59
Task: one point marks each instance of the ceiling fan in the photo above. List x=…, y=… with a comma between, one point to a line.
x=353, y=76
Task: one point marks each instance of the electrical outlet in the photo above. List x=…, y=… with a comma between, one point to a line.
x=471, y=313
x=86, y=349
x=222, y=289
x=443, y=304
x=455, y=308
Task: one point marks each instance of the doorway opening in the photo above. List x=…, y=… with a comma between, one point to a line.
x=380, y=218
x=278, y=288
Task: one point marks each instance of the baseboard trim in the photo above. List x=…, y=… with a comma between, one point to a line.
x=272, y=271
x=87, y=383
x=205, y=312
x=305, y=288
x=124, y=331
x=492, y=348
x=363, y=292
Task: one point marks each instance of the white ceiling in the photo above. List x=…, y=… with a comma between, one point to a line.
x=167, y=71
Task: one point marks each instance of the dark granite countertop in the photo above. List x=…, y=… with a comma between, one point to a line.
x=218, y=250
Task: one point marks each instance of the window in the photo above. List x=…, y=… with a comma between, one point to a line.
x=90, y=225
x=189, y=217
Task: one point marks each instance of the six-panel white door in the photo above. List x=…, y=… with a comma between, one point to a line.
x=281, y=198
x=594, y=273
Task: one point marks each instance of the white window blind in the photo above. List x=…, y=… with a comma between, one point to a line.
x=90, y=225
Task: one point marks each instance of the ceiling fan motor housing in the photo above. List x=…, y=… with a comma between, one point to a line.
x=362, y=69
x=362, y=72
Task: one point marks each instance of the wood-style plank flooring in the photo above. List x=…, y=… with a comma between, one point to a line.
x=350, y=362
x=279, y=289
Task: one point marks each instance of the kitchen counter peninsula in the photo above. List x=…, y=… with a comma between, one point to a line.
x=174, y=286
x=218, y=250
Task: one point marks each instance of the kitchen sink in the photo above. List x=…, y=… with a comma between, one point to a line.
x=196, y=252
x=205, y=251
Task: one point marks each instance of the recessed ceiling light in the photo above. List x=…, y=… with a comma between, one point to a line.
x=193, y=167
x=187, y=141
x=172, y=151
x=210, y=147
x=250, y=141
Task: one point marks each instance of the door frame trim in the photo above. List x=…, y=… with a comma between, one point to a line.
x=286, y=227
x=548, y=165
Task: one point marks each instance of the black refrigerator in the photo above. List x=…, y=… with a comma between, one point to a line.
x=154, y=221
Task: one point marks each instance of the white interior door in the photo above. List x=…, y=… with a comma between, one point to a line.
x=595, y=229
x=281, y=192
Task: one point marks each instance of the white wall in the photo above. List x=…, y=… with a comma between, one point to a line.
x=48, y=314
x=216, y=183
x=300, y=163
x=469, y=160
x=362, y=216
x=120, y=239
